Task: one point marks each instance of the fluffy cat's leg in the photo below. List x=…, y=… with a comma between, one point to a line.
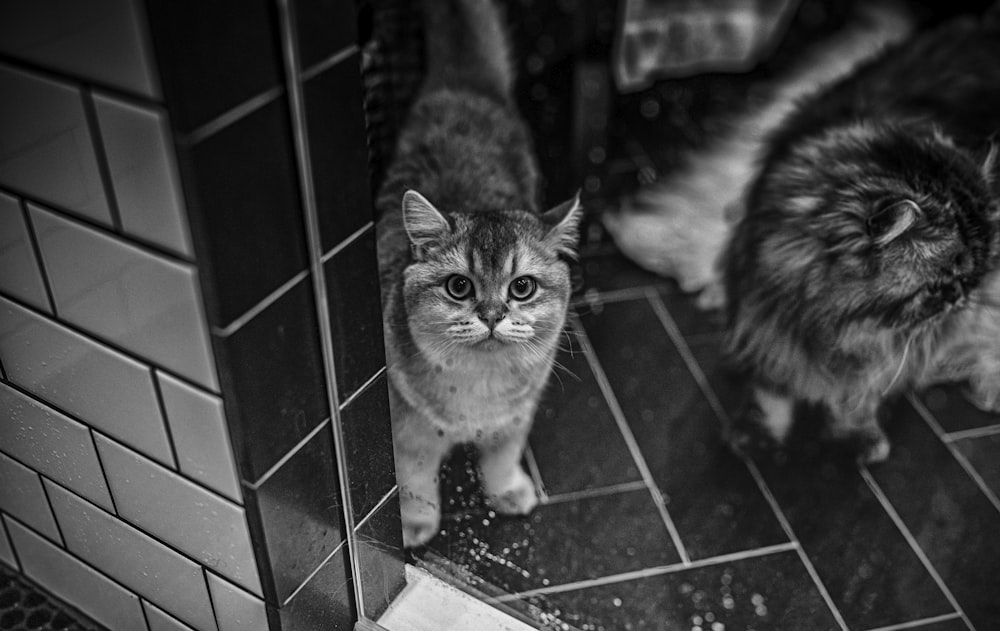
x=508, y=488
x=766, y=424
x=854, y=421
x=419, y=452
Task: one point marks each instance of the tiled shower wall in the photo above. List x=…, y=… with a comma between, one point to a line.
x=190, y=334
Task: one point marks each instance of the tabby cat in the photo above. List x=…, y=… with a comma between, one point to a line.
x=868, y=260
x=475, y=283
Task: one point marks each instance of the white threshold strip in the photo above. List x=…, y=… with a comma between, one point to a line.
x=429, y=604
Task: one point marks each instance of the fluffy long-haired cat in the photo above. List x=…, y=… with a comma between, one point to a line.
x=868, y=260
x=678, y=226
x=475, y=283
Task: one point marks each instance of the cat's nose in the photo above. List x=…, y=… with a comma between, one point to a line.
x=491, y=313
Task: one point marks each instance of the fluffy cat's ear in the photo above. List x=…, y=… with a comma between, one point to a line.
x=424, y=223
x=564, y=224
x=890, y=220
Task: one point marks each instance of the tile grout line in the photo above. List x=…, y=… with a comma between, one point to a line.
x=378, y=506
x=10, y=541
x=695, y=369
x=104, y=473
x=536, y=475
x=29, y=67
x=262, y=480
x=329, y=62
x=887, y=506
x=337, y=548
x=118, y=442
x=977, y=479
x=614, y=489
x=231, y=116
x=52, y=511
x=916, y=624
x=102, y=341
x=348, y=240
x=629, y=437
x=605, y=297
x=101, y=155
x=211, y=599
x=661, y=570
x=256, y=310
x=162, y=408
x=976, y=432
x=144, y=245
x=803, y=557
x=29, y=226
x=145, y=612
x=363, y=388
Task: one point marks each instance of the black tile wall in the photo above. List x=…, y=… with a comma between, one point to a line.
x=368, y=442
x=213, y=56
x=243, y=195
x=324, y=27
x=355, y=313
x=339, y=150
x=325, y=602
x=300, y=514
x=380, y=556
x=272, y=380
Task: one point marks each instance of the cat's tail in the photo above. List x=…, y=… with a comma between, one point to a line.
x=679, y=226
x=467, y=47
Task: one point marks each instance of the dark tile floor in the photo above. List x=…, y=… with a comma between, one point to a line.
x=649, y=522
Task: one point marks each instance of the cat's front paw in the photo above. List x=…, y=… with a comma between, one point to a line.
x=421, y=520
x=515, y=496
x=985, y=396
x=868, y=443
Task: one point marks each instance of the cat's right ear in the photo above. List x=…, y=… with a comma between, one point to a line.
x=424, y=224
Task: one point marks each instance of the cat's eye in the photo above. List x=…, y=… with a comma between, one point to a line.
x=523, y=288
x=458, y=287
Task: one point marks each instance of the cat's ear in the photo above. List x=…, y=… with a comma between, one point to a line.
x=424, y=224
x=563, y=223
x=890, y=220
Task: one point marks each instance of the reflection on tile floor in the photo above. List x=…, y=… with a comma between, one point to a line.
x=648, y=522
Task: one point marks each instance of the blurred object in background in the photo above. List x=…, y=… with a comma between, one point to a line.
x=670, y=38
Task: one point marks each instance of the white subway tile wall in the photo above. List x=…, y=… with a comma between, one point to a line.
x=6, y=552
x=160, y=620
x=143, y=173
x=155, y=571
x=198, y=426
x=96, y=384
x=209, y=528
x=118, y=485
x=47, y=147
x=146, y=303
x=102, y=599
x=235, y=609
x=52, y=444
x=101, y=40
x=20, y=275
x=22, y=496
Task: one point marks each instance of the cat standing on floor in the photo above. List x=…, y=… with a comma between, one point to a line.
x=868, y=260
x=475, y=284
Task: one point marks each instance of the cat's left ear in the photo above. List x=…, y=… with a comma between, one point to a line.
x=424, y=224
x=564, y=226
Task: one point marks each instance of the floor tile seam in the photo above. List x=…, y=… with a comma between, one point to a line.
x=536, y=475
x=953, y=449
x=887, y=506
x=651, y=572
x=592, y=297
x=985, y=431
x=916, y=624
x=790, y=533
x=630, y=441
x=237, y=323
x=600, y=491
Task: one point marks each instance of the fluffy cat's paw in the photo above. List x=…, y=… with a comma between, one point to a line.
x=746, y=437
x=419, y=528
x=985, y=397
x=868, y=444
x=517, y=496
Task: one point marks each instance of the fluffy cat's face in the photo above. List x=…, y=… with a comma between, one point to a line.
x=488, y=284
x=900, y=231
